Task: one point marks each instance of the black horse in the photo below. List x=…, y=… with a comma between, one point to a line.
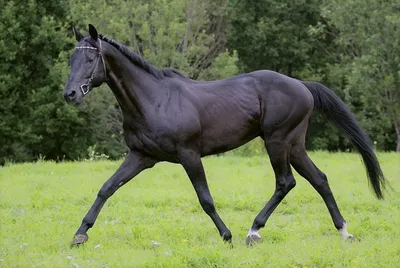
x=169, y=117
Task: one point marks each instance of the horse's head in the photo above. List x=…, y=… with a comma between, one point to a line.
x=88, y=68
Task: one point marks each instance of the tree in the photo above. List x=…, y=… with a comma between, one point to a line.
x=370, y=35
x=33, y=36
x=270, y=34
x=187, y=35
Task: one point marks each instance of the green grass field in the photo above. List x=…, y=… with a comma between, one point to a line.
x=156, y=221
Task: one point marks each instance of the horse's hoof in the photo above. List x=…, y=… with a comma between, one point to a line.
x=253, y=239
x=350, y=238
x=79, y=239
x=227, y=237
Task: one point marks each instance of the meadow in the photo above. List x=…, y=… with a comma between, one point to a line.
x=156, y=220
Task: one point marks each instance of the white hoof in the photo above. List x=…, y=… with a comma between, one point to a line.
x=344, y=234
x=252, y=238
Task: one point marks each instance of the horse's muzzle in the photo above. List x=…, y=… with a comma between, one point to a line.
x=72, y=96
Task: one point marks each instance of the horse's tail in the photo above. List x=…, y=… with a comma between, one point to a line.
x=336, y=111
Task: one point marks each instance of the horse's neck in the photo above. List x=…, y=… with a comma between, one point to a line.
x=132, y=86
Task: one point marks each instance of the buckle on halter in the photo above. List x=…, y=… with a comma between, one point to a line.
x=85, y=89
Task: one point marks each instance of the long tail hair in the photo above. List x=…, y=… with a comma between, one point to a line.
x=336, y=111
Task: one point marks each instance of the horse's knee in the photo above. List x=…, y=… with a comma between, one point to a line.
x=322, y=183
x=207, y=204
x=285, y=184
x=323, y=176
x=106, y=191
x=291, y=182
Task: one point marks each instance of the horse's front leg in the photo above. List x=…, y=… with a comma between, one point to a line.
x=191, y=161
x=133, y=164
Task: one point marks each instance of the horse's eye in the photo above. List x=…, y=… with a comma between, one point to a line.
x=90, y=58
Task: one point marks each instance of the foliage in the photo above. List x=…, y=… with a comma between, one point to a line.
x=270, y=34
x=350, y=46
x=182, y=34
x=35, y=119
x=370, y=37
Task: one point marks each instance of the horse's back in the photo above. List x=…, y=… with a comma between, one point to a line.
x=263, y=93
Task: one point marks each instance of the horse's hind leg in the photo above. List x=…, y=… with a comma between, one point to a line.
x=279, y=154
x=306, y=168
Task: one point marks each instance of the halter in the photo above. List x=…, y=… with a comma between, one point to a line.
x=85, y=88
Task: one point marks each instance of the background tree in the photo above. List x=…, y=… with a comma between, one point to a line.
x=271, y=34
x=370, y=38
x=350, y=46
x=34, y=119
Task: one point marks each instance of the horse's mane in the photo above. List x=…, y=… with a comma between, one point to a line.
x=140, y=62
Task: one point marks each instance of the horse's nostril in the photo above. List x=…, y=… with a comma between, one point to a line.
x=72, y=94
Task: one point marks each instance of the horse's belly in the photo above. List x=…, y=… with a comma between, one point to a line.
x=229, y=133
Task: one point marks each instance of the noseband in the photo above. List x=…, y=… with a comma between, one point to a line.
x=85, y=88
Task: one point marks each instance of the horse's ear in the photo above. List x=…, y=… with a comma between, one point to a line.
x=77, y=33
x=93, y=32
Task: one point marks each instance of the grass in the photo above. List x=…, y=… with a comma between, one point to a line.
x=156, y=221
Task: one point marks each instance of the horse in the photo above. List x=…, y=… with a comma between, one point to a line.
x=170, y=117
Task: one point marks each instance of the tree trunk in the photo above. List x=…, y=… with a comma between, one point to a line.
x=189, y=20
